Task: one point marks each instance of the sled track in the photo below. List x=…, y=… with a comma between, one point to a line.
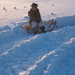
x=24, y=54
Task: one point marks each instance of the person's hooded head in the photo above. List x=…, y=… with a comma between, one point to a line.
x=34, y=6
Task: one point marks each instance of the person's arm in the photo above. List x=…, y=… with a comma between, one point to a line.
x=40, y=17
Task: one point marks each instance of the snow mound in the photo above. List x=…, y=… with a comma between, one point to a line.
x=42, y=54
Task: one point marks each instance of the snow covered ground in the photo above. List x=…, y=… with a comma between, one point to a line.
x=51, y=53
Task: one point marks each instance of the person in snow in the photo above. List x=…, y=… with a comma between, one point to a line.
x=35, y=18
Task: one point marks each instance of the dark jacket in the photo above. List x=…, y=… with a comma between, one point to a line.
x=34, y=16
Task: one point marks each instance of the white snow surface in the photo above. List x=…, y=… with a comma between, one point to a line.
x=51, y=53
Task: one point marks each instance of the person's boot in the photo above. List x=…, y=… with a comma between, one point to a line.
x=42, y=28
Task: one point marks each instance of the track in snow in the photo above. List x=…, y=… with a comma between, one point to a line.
x=24, y=54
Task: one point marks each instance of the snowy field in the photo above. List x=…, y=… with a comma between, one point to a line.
x=51, y=53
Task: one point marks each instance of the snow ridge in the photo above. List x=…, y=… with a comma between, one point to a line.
x=37, y=54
